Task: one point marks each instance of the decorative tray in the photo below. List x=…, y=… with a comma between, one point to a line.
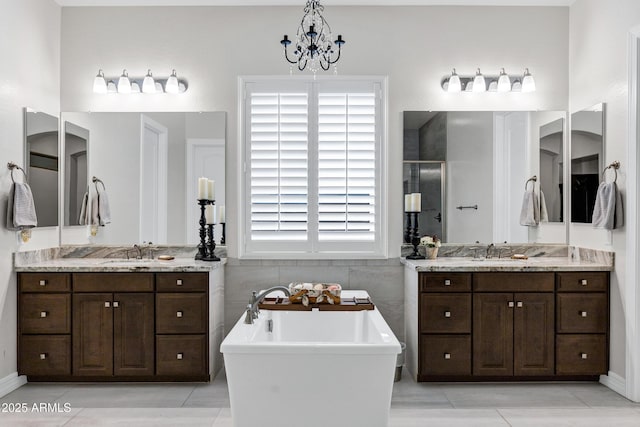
x=314, y=293
x=346, y=304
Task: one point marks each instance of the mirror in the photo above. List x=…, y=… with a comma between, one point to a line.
x=76, y=178
x=471, y=168
x=41, y=164
x=149, y=164
x=587, y=148
x=551, y=169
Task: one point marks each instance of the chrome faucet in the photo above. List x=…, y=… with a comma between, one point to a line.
x=252, y=307
x=488, y=254
x=139, y=249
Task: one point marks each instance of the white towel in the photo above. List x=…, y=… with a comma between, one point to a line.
x=21, y=209
x=608, y=212
x=544, y=215
x=104, y=211
x=530, y=213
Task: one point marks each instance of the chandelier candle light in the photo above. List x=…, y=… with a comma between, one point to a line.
x=313, y=45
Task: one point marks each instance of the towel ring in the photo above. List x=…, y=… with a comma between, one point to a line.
x=97, y=180
x=534, y=178
x=615, y=166
x=12, y=166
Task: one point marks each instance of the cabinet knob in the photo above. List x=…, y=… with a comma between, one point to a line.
x=519, y=304
x=107, y=304
x=43, y=314
x=583, y=355
x=583, y=282
x=179, y=356
x=447, y=282
x=447, y=356
x=43, y=282
x=511, y=304
x=447, y=314
x=583, y=313
x=178, y=313
x=116, y=304
x=179, y=282
x=43, y=356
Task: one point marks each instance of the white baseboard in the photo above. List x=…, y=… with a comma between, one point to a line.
x=11, y=382
x=615, y=382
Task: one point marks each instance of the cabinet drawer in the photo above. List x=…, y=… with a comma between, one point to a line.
x=445, y=282
x=45, y=313
x=445, y=313
x=44, y=282
x=113, y=282
x=181, y=313
x=582, y=312
x=182, y=282
x=513, y=282
x=445, y=354
x=581, y=355
x=45, y=355
x=181, y=355
x=593, y=281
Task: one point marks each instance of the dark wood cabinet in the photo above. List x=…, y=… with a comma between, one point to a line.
x=92, y=334
x=133, y=340
x=493, y=334
x=533, y=334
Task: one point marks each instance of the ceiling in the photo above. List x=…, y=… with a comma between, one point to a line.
x=324, y=2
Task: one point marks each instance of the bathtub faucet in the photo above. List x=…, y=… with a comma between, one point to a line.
x=252, y=308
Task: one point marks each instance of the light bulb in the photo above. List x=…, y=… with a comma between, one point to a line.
x=111, y=87
x=454, y=82
x=135, y=87
x=99, y=83
x=148, y=84
x=504, y=84
x=479, y=85
x=124, y=84
x=528, y=84
x=172, y=83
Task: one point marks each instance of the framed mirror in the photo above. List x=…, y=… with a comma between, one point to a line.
x=551, y=167
x=76, y=175
x=42, y=165
x=149, y=163
x=470, y=168
x=587, y=162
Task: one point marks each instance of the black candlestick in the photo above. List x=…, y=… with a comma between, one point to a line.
x=224, y=233
x=415, y=238
x=407, y=234
x=202, y=248
x=211, y=246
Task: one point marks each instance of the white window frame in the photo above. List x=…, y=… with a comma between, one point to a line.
x=311, y=249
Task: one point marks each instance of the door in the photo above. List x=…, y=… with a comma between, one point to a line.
x=92, y=334
x=133, y=342
x=493, y=334
x=533, y=334
x=153, y=181
x=427, y=178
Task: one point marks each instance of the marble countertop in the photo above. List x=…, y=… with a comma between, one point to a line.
x=468, y=264
x=113, y=265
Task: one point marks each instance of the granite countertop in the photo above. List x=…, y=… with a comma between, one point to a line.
x=112, y=265
x=468, y=264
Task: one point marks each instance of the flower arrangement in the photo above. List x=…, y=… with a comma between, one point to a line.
x=430, y=241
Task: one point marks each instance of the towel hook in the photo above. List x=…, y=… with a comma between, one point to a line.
x=97, y=180
x=12, y=166
x=615, y=166
x=534, y=178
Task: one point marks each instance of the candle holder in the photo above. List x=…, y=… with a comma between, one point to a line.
x=211, y=246
x=202, y=247
x=224, y=233
x=407, y=233
x=415, y=238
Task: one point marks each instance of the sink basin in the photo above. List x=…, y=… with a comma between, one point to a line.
x=129, y=261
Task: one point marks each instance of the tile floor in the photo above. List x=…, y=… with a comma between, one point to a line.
x=413, y=405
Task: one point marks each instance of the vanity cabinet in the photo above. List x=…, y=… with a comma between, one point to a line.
x=512, y=325
x=114, y=326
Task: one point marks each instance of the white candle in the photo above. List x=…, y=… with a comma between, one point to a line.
x=416, y=202
x=221, y=214
x=202, y=188
x=211, y=185
x=209, y=214
x=407, y=202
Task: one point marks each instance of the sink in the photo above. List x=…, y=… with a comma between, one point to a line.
x=129, y=261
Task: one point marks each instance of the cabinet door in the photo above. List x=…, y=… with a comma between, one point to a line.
x=92, y=334
x=533, y=334
x=133, y=338
x=493, y=334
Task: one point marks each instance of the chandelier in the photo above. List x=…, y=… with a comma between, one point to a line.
x=313, y=45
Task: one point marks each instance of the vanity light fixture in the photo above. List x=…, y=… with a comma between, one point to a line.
x=479, y=82
x=147, y=84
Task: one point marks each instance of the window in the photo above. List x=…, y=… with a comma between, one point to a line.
x=313, y=168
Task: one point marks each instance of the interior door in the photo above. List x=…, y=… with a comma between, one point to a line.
x=533, y=334
x=133, y=341
x=427, y=178
x=493, y=334
x=92, y=334
x=153, y=181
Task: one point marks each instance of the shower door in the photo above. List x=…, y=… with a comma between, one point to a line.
x=428, y=179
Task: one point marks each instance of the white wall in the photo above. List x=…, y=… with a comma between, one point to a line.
x=414, y=46
x=30, y=47
x=598, y=73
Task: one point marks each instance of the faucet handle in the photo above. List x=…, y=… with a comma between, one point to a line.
x=248, y=318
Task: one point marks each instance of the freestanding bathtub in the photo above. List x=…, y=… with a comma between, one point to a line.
x=315, y=369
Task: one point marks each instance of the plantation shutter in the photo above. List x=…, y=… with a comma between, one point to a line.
x=279, y=166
